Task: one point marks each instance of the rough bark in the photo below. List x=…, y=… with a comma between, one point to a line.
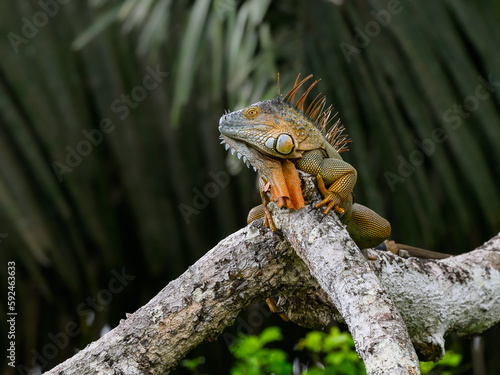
x=342, y=271
x=196, y=307
x=388, y=304
x=459, y=294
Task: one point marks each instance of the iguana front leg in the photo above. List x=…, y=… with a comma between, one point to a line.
x=262, y=210
x=365, y=226
x=339, y=175
x=295, y=198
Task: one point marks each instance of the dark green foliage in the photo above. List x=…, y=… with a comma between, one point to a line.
x=119, y=206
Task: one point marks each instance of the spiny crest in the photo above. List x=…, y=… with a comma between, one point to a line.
x=337, y=138
x=318, y=114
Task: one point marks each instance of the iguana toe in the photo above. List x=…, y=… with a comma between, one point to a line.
x=332, y=201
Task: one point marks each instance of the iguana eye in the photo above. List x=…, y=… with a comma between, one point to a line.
x=285, y=144
x=251, y=112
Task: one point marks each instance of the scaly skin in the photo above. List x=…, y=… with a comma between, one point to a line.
x=277, y=137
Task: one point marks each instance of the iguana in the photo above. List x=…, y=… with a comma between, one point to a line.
x=279, y=136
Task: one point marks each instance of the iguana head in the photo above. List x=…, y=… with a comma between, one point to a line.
x=278, y=128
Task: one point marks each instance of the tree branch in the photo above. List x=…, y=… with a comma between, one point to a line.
x=387, y=304
x=342, y=271
x=458, y=294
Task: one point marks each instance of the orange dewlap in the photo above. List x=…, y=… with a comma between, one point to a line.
x=293, y=183
x=285, y=184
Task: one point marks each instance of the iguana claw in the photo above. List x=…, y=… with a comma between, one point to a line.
x=276, y=307
x=331, y=199
x=339, y=211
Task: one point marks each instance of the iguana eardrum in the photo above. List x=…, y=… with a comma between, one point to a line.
x=278, y=136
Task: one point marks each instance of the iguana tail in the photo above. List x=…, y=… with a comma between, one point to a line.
x=394, y=248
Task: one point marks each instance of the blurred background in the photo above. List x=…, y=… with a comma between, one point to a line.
x=112, y=179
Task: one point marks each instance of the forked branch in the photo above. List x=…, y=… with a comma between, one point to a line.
x=391, y=305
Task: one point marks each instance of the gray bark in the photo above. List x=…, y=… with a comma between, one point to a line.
x=342, y=271
x=391, y=305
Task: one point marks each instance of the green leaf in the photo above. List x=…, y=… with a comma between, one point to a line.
x=100, y=24
x=270, y=334
x=246, y=346
x=192, y=364
x=313, y=341
x=187, y=58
